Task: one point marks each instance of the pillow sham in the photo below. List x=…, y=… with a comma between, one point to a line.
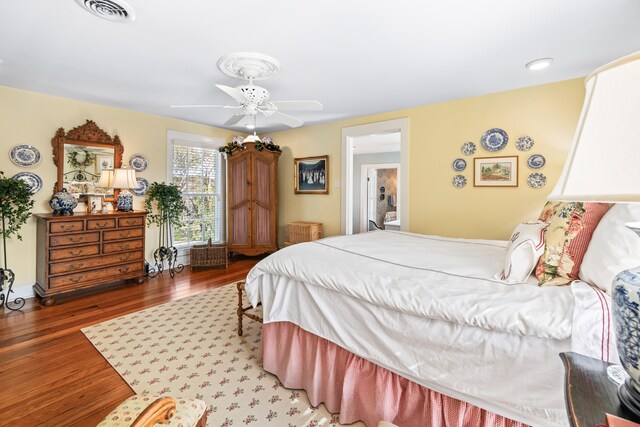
x=523, y=251
x=571, y=226
x=613, y=247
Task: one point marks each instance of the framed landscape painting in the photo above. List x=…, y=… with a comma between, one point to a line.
x=312, y=175
x=495, y=171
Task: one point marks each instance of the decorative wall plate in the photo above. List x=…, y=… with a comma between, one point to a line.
x=537, y=180
x=24, y=155
x=33, y=181
x=459, y=181
x=138, y=162
x=459, y=165
x=494, y=139
x=141, y=189
x=524, y=143
x=468, y=148
x=536, y=161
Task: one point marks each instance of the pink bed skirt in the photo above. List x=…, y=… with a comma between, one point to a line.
x=359, y=389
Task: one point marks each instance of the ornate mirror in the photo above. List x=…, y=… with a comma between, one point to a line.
x=81, y=155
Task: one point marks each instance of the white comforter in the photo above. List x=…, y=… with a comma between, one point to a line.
x=443, y=282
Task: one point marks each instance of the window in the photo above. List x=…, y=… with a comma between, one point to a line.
x=195, y=166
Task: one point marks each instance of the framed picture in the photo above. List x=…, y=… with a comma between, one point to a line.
x=312, y=175
x=94, y=204
x=495, y=171
x=103, y=162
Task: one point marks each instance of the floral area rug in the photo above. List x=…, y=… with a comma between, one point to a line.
x=190, y=348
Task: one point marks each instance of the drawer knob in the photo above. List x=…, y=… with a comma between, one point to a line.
x=75, y=279
x=72, y=252
x=101, y=224
x=75, y=266
x=75, y=239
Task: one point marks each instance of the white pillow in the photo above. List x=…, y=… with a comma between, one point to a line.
x=613, y=247
x=523, y=251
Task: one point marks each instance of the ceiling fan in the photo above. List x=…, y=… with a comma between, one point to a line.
x=252, y=99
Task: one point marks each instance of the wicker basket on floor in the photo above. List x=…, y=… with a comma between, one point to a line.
x=209, y=255
x=304, y=231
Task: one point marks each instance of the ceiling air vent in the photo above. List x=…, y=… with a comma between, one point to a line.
x=116, y=11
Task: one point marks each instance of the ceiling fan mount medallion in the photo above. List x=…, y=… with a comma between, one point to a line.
x=252, y=99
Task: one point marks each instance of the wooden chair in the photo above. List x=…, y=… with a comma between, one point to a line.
x=143, y=410
x=242, y=311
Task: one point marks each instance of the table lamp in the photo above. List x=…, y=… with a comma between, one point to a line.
x=603, y=166
x=124, y=179
x=105, y=180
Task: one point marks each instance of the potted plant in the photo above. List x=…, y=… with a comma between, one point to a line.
x=164, y=206
x=15, y=204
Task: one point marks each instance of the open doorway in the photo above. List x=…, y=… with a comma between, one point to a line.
x=381, y=147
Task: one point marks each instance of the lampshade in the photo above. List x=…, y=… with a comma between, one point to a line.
x=602, y=165
x=106, y=177
x=124, y=178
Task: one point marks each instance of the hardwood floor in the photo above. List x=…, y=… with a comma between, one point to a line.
x=50, y=375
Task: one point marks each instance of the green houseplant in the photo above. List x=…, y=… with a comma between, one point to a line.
x=15, y=206
x=164, y=206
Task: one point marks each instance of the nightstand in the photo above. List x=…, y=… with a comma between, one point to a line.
x=588, y=392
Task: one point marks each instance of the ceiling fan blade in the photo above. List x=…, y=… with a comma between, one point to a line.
x=234, y=93
x=292, y=122
x=298, y=105
x=233, y=120
x=205, y=106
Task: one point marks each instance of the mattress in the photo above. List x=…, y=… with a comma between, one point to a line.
x=429, y=309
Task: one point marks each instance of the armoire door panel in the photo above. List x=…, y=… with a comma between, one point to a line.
x=239, y=190
x=262, y=186
x=238, y=220
x=262, y=234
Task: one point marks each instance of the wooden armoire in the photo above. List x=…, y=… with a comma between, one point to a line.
x=252, y=201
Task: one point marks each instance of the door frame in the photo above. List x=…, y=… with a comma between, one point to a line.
x=348, y=133
x=364, y=206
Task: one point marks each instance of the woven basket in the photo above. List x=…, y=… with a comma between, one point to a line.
x=303, y=231
x=209, y=255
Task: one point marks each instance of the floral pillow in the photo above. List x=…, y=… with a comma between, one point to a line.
x=571, y=225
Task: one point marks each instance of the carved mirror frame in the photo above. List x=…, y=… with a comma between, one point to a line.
x=90, y=135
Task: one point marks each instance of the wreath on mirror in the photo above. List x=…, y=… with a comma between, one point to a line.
x=80, y=158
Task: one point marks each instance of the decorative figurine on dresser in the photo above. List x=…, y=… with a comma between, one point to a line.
x=86, y=251
x=252, y=195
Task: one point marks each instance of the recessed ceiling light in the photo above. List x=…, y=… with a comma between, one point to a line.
x=539, y=64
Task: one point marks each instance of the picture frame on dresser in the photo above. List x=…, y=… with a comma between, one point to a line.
x=94, y=204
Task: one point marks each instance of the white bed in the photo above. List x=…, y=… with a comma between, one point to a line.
x=429, y=309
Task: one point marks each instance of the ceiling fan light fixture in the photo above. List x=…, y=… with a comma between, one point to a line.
x=539, y=64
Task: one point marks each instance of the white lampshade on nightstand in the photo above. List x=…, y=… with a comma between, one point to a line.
x=124, y=179
x=604, y=166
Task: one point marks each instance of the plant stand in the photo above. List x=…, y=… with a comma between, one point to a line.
x=166, y=252
x=7, y=275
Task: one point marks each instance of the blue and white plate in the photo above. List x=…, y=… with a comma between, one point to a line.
x=459, y=181
x=33, y=181
x=468, y=148
x=24, y=155
x=138, y=162
x=494, y=139
x=459, y=165
x=537, y=180
x=536, y=161
x=141, y=189
x=524, y=143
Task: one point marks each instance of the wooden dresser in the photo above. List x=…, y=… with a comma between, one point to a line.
x=85, y=251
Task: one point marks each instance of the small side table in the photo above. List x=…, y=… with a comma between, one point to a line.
x=588, y=391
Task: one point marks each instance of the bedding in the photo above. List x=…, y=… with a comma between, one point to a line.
x=524, y=249
x=429, y=309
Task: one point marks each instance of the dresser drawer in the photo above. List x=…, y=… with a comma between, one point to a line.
x=66, y=226
x=131, y=222
x=74, y=239
x=83, y=251
x=108, y=248
x=83, y=264
x=100, y=224
x=122, y=234
x=77, y=279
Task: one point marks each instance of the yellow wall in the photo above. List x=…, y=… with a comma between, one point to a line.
x=33, y=118
x=548, y=113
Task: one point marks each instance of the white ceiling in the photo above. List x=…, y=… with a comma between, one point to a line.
x=377, y=143
x=357, y=57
